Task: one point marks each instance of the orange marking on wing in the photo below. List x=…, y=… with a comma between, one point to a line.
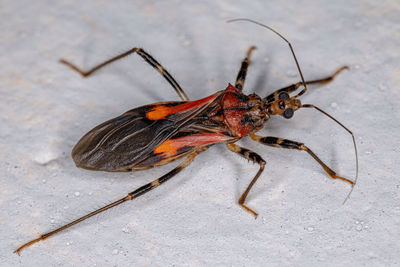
x=167, y=148
x=170, y=147
x=162, y=111
x=158, y=112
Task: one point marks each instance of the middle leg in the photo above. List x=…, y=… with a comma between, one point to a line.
x=254, y=157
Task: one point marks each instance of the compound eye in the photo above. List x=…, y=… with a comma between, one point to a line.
x=283, y=96
x=288, y=113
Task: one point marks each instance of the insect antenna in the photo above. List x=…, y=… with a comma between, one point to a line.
x=304, y=90
x=290, y=46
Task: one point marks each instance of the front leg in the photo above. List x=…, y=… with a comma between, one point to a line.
x=291, y=88
x=285, y=143
x=254, y=157
x=241, y=77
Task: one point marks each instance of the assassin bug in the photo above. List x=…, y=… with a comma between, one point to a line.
x=156, y=134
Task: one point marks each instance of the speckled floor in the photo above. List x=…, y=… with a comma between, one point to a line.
x=193, y=220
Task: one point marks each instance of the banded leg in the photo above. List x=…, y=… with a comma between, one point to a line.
x=148, y=58
x=241, y=77
x=285, y=143
x=138, y=192
x=291, y=88
x=249, y=155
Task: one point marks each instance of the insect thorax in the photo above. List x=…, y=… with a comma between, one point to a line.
x=238, y=114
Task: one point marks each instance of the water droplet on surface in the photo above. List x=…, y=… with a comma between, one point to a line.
x=77, y=194
x=115, y=252
x=291, y=73
x=359, y=227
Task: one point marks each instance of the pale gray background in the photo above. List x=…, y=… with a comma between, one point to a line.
x=194, y=219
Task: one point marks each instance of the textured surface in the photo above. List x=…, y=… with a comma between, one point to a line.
x=194, y=219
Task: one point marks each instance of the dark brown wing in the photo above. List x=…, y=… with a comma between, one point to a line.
x=122, y=143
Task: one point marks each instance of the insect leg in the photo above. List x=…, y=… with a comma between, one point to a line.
x=291, y=88
x=138, y=192
x=241, y=77
x=249, y=155
x=148, y=58
x=285, y=143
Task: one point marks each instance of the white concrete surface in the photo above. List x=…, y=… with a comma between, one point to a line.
x=194, y=220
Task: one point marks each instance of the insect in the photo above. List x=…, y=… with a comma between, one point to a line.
x=156, y=134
